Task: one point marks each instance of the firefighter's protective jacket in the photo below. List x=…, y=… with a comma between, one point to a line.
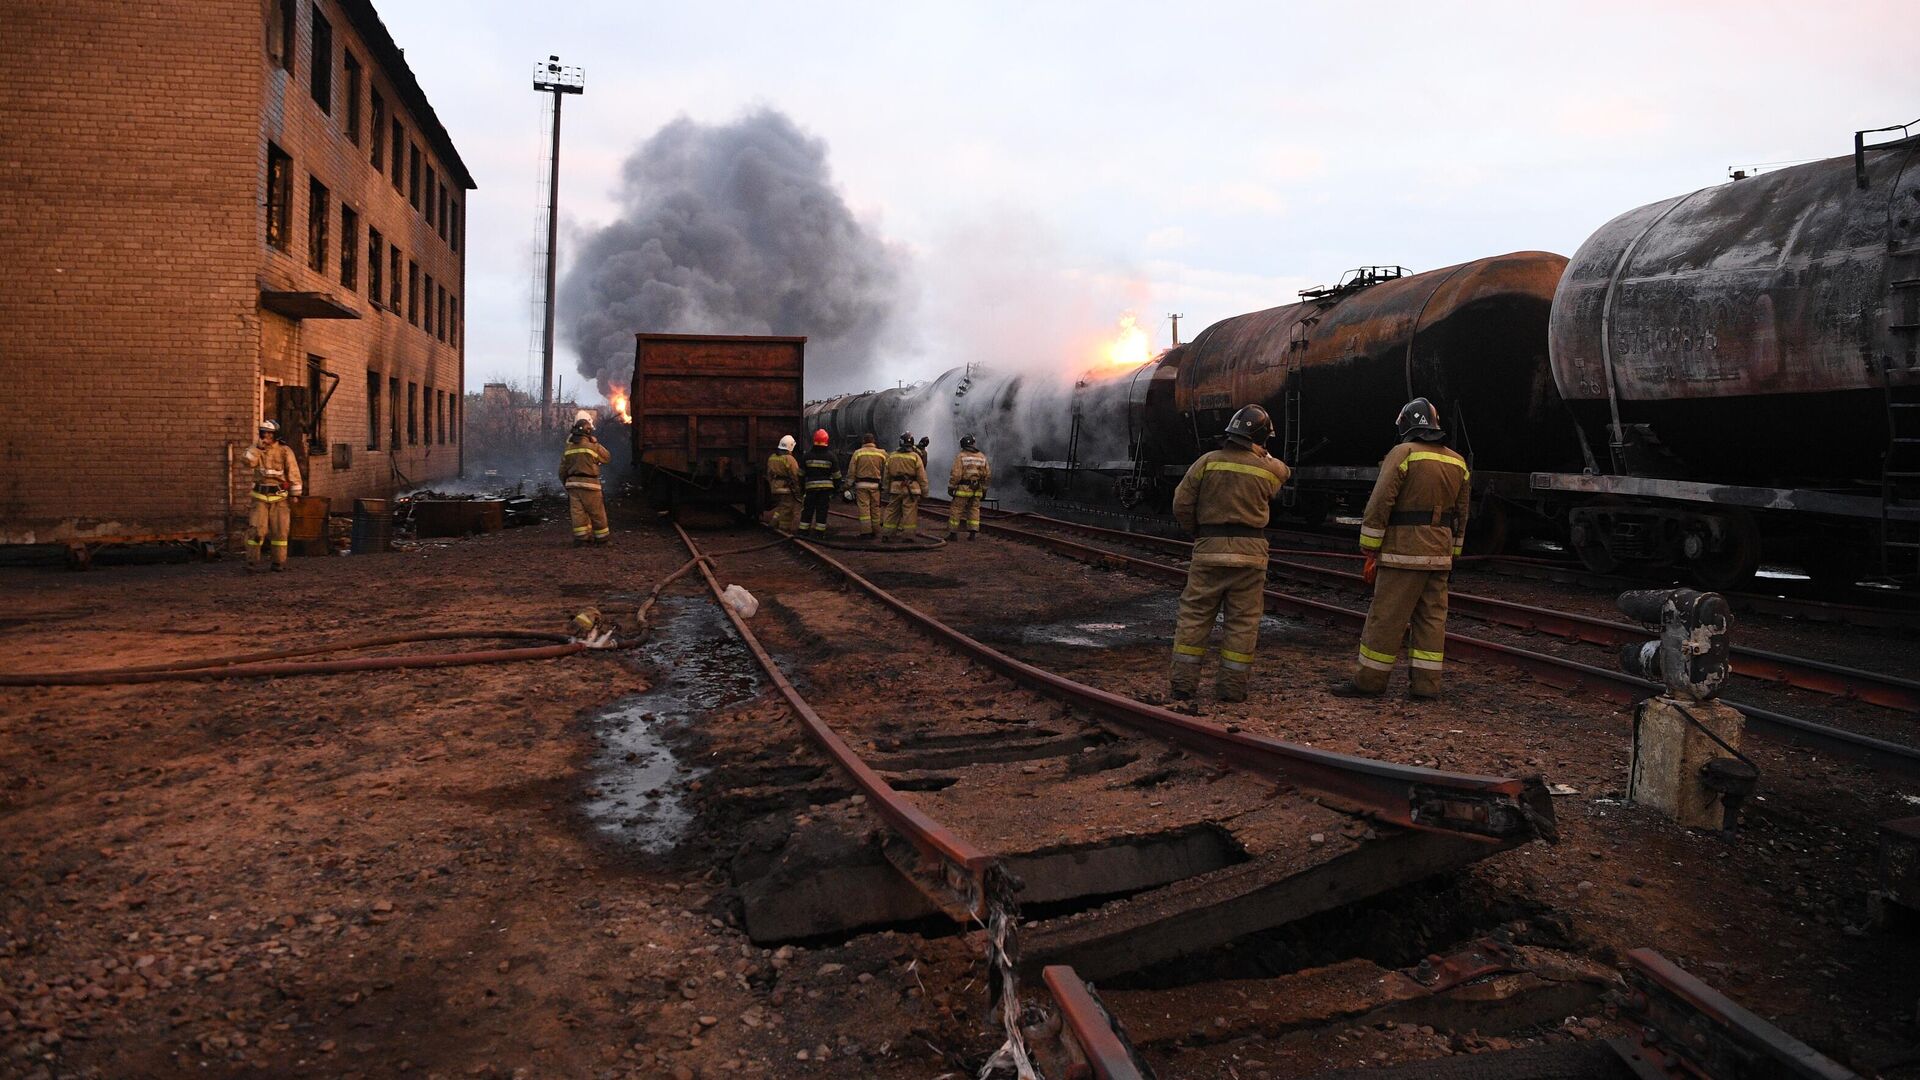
x=276, y=470
x=868, y=466
x=970, y=475
x=580, y=463
x=821, y=470
x=783, y=474
x=906, y=474
x=1223, y=501
x=1417, y=514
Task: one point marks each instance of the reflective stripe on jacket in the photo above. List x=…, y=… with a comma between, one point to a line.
x=970, y=475
x=783, y=473
x=273, y=465
x=580, y=464
x=906, y=474
x=1230, y=488
x=821, y=470
x=869, y=464
x=1417, y=514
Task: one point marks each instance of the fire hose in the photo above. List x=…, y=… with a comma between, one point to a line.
x=276, y=663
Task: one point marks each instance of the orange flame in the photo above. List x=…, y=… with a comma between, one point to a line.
x=1129, y=348
x=618, y=401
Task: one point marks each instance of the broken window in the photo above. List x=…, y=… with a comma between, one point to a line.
x=320, y=78
x=393, y=412
x=446, y=204
x=351, y=66
x=426, y=414
x=399, y=153
x=413, y=292
x=279, y=197
x=453, y=231
x=280, y=33
x=376, y=130
x=321, y=384
x=318, y=210
x=453, y=321
x=433, y=180
x=413, y=176
x=374, y=262
x=413, y=418
x=373, y=410
x=393, y=278
x=349, y=247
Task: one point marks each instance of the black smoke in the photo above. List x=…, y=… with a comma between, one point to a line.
x=733, y=229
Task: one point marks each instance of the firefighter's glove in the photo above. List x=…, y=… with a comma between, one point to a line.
x=1370, y=569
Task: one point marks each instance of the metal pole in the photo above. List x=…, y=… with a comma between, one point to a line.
x=553, y=234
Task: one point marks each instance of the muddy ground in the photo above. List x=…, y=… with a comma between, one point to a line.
x=524, y=869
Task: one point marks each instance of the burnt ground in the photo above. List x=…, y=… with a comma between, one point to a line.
x=527, y=868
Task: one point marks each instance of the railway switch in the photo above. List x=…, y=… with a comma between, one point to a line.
x=1686, y=746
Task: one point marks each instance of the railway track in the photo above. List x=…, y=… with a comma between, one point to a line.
x=1551, y=669
x=1376, y=825
x=1895, y=612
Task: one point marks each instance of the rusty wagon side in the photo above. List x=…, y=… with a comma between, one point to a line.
x=708, y=410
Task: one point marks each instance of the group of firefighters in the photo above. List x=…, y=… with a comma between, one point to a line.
x=1415, y=519
x=803, y=487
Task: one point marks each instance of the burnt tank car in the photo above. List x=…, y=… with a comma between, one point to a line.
x=1742, y=364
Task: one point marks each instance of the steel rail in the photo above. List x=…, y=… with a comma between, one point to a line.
x=1819, y=676
x=1096, y=1038
x=1490, y=808
x=956, y=872
x=1690, y=1029
x=1552, y=670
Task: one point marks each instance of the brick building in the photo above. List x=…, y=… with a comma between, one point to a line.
x=210, y=213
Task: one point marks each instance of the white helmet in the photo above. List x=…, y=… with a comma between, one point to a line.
x=786, y=442
x=270, y=426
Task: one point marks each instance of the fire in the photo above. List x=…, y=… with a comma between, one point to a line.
x=617, y=401
x=1129, y=348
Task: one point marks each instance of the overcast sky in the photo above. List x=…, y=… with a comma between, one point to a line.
x=1046, y=168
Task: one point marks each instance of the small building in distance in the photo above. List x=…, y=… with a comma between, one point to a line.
x=213, y=213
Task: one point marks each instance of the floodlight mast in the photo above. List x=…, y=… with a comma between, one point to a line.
x=551, y=76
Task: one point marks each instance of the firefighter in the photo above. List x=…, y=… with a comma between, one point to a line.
x=906, y=480
x=1414, y=523
x=822, y=475
x=783, y=479
x=867, y=469
x=966, y=486
x=580, y=474
x=1223, y=501
x=920, y=447
x=276, y=474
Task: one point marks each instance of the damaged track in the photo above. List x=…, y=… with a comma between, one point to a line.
x=1237, y=860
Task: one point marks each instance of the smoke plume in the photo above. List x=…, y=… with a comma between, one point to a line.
x=733, y=229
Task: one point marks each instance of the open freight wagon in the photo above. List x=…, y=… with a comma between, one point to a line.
x=707, y=412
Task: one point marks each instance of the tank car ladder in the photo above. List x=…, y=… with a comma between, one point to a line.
x=1900, y=473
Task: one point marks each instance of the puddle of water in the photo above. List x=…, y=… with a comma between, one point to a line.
x=1149, y=621
x=642, y=785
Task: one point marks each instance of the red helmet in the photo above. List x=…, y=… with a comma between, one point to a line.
x=820, y=437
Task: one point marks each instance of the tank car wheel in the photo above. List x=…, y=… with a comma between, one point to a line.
x=1733, y=565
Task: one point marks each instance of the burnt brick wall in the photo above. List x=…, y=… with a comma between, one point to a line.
x=133, y=350
x=129, y=161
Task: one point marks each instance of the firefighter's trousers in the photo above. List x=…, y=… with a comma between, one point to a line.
x=268, y=522
x=1409, y=605
x=786, y=511
x=813, y=515
x=587, y=506
x=1234, y=593
x=903, y=515
x=963, y=508
x=868, y=500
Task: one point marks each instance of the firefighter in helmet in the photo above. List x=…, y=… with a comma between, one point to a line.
x=906, y=480
x=1414, y=523
x=580, y=474
x=868, y=470
x=276, y=474
x=966, y=486
x=1223, y=501
x=783, y=480
x=822, y=479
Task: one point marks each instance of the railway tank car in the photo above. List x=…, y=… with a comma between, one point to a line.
x=1742, y=364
